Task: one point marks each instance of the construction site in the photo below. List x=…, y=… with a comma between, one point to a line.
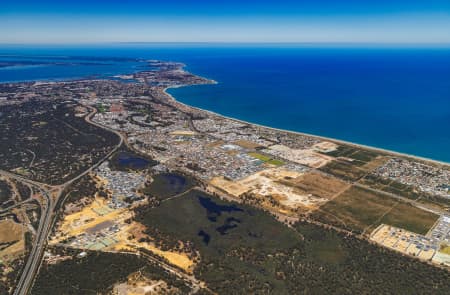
x=102, y=225
x=282, y=190
x=434, y=246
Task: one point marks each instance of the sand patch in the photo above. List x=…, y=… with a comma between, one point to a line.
x=10, y=231
x=138, y=284
x=135, y=230
x=325, y=147
x=247, y=144
x=11, y=235
x=291, y=189
x=91, y=218
x=183, y=133
x=307, y=157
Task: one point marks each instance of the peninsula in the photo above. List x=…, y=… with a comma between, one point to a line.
x=115, y=187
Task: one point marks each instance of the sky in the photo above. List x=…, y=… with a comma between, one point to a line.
x=315, y=21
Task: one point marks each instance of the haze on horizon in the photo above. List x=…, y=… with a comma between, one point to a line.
x=331, y=21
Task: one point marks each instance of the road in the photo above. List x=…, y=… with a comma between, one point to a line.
x=49, y=212
x=47, y=219
x=196, y=284
x=15, y=206
x=34, y=259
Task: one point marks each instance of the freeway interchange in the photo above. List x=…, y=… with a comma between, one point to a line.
x=322, y=181
x=51, y=194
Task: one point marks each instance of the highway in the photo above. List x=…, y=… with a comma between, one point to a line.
x=48, y=209
x=35, y=255
x=33, y=260
x=15, y=206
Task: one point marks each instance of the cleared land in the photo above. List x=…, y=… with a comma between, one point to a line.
x=281, y=190
x=138, y=284
x=82, y=229
x=403, y=241
x=407, y=191
x=391, y=186
x=316, y=184
x=354, y=153
x=97, y=273
x=245, y=250
x=352, y=163
x=361, y=210
x=351, y=170
x=12, y=242
x=325, y=147
x=247, y=144
x=308, y=157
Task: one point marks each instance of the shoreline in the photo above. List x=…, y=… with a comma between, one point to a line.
x=213, y=82
x=386, y=151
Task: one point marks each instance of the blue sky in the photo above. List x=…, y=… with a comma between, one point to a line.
x=356, y=21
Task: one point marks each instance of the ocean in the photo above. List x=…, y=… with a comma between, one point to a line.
x=391, y=98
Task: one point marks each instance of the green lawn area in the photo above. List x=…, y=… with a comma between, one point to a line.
x=266, y=159
x=259, y=156
x=275, y=162
x=101, y=108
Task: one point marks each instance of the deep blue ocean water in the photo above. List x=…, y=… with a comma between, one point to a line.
x=392, y=98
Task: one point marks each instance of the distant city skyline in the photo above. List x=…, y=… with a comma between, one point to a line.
x=325, y=21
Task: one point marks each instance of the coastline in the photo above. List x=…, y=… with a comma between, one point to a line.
x=339, y=141
x=211, y=81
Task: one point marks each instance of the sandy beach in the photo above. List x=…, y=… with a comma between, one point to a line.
x=338, y=141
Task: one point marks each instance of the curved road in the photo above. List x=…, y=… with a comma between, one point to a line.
x=47, y=218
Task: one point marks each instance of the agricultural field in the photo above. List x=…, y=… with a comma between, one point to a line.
x=244, y=249
x=316, y=184
x=344, y=169
x=247, y=144
x=407, y=191
x=335, y=263
x=391, y=186
x=352, y=163
x=357, y=154
x=361, y=210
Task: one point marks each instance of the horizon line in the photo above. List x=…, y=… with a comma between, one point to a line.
x=228, y=42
